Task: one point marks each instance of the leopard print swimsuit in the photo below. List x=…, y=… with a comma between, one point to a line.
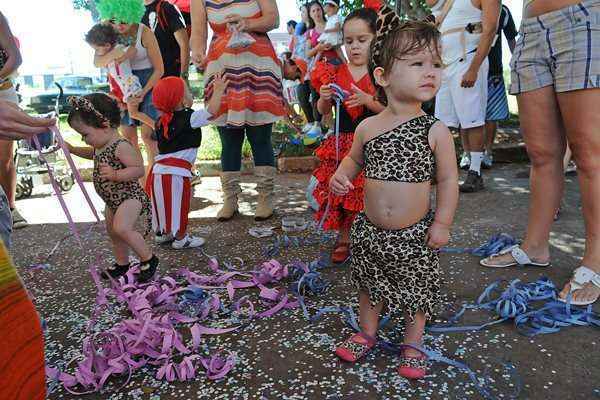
x=115, y=193
x=402, y=154
x=396, y=266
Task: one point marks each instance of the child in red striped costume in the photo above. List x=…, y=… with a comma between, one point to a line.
x=179, y=136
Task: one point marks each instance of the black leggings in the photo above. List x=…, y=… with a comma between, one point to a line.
x=232, y=140
x=315, y=98
x=303, y=92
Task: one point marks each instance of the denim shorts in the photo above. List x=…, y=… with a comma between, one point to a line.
x=560, y=48
x=5, y=219
x=146, y=106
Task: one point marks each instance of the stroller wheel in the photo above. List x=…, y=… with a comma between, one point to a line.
x=66, y=183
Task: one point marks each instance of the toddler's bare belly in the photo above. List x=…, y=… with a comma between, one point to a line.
x=396, y=205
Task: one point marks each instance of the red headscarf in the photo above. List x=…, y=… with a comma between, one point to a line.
x=167, y=94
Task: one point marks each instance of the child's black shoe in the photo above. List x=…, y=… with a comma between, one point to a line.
x=148, y=269
x=115, y=271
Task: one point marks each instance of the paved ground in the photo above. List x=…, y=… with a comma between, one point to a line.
x=285, y=357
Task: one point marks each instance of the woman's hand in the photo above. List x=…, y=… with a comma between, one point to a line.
x=199, y=57
x=107, y=172
x=438, y=235
x=240, y=23
x=469, y=78
x=322, y=47
x=358, y=97
x=340, y=185
x=326, y=92
x=15, y=124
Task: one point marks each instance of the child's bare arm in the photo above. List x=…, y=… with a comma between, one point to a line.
x=446, y=173
x=219, y=88
x=325, y=104
x=134, y=163
x=129, y=54
x=83, y=152
x=351, y=165
x=442, y=143
x=101, y=61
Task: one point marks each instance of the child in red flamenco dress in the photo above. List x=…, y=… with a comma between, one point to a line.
x=338, y=212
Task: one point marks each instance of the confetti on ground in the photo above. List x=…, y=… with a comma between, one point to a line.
x=284, y=357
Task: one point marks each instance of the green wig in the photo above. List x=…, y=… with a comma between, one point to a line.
x=128, y=11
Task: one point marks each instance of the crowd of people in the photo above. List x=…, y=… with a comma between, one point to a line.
x=377, y=168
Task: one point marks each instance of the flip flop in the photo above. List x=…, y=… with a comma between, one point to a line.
x=581, y=276
x=518, y=255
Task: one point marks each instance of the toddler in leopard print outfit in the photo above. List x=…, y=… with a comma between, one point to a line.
x=117, y=168
x=396, y=239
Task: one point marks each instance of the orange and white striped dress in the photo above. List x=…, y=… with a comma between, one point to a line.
x=254, y=95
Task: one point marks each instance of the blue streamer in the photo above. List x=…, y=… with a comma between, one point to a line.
x=515, y=303
x=495, y=245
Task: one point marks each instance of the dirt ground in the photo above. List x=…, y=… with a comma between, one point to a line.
x=285, y=356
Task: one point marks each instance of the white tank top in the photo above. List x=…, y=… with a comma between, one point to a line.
x=141, y=59
x=460, y=15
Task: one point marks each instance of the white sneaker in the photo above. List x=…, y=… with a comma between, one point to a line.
x=196, y=179
x=488, y=160
x=162, y=239
x=188, y=242
x=465, y=161
x=18, y=220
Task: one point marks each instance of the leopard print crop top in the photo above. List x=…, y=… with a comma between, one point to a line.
x=402, y=154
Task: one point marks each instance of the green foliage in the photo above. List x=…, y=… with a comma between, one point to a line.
x=89, y=5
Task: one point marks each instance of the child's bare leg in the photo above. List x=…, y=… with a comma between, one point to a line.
x=124, y=226
x=368, y=315
x=120, y=248
x=413, y=333
x=135, y=113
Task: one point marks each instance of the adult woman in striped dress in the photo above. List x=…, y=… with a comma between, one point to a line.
x=254, y=98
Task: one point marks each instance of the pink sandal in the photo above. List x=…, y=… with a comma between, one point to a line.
x=356, y=347
x=413, y=367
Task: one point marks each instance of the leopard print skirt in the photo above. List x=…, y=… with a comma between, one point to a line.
x=396, y=266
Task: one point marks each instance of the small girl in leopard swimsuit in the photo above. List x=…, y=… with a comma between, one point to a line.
x=117, y=168
x=396, y=239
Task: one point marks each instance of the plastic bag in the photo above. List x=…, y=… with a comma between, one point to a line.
x=239, y=39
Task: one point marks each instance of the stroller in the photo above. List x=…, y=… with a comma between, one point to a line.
x=31, y=168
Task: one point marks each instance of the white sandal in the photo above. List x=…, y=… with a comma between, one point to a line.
x=581, y=276
x=518, y=255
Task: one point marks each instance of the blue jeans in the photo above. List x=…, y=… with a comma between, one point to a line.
x=5, y=219
x=146, y=106
x=232, y=140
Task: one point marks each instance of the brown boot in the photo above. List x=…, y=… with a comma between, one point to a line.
x=264, y=187
x=230, y=182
